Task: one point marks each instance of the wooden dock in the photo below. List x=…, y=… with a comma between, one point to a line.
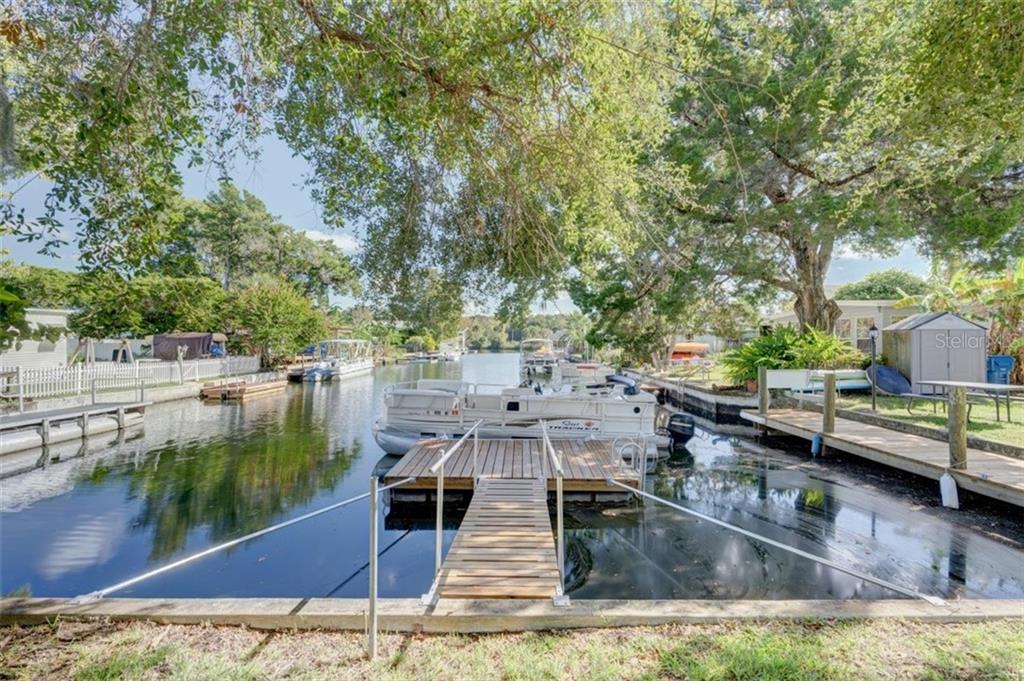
x=37, y=418
x=42, y=428
x=243, y=390
x=505, y=547
x=587, y=464
x=992, y=475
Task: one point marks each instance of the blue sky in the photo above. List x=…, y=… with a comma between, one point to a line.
x=277, y=178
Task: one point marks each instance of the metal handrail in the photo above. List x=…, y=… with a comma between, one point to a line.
x=444, y=457
x=371, y=615
x=556, y=463
x=555, y=460
x=913, y=593
x=100, y=593
x=431, y=596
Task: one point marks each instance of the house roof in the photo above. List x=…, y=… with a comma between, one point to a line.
x=844, y=305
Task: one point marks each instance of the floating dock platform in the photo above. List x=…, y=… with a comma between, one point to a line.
x=242, y=390
x=991, y=475
x=32, y=429
x=588, y=464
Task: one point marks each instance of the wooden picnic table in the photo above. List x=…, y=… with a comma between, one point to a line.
x=993, y=389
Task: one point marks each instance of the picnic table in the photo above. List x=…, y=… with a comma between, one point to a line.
x=995, y=390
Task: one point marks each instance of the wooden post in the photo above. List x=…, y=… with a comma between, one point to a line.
x=828, y=419
x=44, y=431
x=958, y=428
x=762, y=391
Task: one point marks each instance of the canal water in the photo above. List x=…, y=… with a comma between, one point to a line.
x=199, y=474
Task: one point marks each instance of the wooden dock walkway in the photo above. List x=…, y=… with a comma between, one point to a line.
x=587, y=463
x=29, y=419
x=505, y=547
x=992, y=475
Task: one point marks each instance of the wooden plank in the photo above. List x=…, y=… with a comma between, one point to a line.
x=504, y=547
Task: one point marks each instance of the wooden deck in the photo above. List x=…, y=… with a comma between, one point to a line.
x=992, y=475
x=242, y=390
x=35, y=418
x=587, y=464
x=505, y=547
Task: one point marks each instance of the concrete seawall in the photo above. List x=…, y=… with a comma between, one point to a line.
x=469, y=616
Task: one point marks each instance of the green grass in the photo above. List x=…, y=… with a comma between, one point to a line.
x=982, y=424
x=777, y=651
x=123, y=664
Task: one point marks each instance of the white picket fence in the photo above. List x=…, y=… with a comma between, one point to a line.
x=80, y=379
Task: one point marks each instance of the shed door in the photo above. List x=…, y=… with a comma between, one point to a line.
x=966, y=355
x=934, y=356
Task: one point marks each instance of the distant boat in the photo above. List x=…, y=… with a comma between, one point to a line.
x=338, y=358
x=536, y=358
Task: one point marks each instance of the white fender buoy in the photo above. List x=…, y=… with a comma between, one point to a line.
x=947, y=487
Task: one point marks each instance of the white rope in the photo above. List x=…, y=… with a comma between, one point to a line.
x=234, y=542
x=934, y=600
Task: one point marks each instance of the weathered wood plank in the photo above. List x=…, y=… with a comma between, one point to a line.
x=504, y=547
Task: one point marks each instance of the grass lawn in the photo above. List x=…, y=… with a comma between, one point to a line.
x=883, y=649
x=714, y=375
x=983, y=416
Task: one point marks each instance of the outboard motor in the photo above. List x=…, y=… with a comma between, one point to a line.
x=631, y=387
x=680, y=429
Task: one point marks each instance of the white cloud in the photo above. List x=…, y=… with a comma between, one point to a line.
x=346, y=242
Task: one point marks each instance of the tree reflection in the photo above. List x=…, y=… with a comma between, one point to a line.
x=239, y=482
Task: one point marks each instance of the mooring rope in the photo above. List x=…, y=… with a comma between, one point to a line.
x=234, y=542
x=934, y=600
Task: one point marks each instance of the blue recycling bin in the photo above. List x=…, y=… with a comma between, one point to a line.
x=999, y=368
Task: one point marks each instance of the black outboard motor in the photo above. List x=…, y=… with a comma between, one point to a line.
x=680, y=429
x=630, y=383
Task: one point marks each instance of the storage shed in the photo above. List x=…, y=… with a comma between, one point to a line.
x=937, y=346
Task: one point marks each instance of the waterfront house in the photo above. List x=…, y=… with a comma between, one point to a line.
x=856, y=318
x=40, y=353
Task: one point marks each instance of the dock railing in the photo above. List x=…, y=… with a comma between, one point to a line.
x=556, y=466
x=430, y=597
x=638, y=459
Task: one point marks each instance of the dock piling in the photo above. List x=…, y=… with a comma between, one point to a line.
x=958, y=428
x=828, y=420
x=762, y=390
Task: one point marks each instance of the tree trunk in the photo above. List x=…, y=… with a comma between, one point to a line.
x=813, y=307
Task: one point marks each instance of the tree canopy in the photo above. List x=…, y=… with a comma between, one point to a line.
x=885, y=285
x=665, y=158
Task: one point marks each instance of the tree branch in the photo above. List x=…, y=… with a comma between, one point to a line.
x=427, y=71
x=809, y=172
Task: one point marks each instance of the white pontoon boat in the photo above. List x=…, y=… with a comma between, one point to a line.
x=431, y=408
x=340, y=357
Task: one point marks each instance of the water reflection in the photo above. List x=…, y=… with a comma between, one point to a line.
x=656, y=552
x=81, y=517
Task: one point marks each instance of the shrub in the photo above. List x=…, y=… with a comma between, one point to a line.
x=784, y=348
